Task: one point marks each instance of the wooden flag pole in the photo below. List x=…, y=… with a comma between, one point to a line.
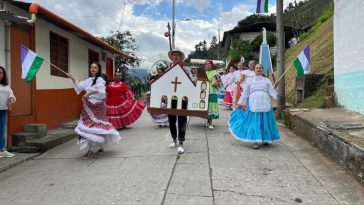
x=55, y=67
x=283, y=74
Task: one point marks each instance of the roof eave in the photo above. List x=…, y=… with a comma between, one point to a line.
x=36, y=8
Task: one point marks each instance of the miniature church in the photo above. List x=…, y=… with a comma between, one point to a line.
x=174, y=93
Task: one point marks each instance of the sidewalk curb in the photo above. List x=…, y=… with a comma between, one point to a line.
x=334, y=144
x=16, y=160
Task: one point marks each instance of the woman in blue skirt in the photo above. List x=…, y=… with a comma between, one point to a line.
x=255, y=122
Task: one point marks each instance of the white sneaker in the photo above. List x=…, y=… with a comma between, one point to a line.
x=6, y=154
x=172, y=145
x=211, y=127
x=180, y=150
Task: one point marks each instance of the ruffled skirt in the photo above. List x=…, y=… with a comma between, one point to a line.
x=123, y=113
x=228, y=100
x=213, y=108
x=93, y=128
x=220, y=97
x=253, y=126
x=236, y=94
x=159, y=119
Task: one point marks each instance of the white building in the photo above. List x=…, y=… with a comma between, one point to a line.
x=50, y=98
x=349, y=54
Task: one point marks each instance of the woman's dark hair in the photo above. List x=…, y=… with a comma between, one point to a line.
x=98, y=72
x=211, y=62
x=4, y=81
x=104, y=76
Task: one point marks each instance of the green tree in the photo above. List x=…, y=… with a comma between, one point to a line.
x=213, y=42
x=240, y=48
x=255, y=44
x=255, y=18
x=125, y=42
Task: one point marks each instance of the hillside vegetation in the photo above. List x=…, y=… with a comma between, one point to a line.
x=322, y=61
x=304, y=14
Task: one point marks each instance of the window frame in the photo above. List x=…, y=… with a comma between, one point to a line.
x=58, y=54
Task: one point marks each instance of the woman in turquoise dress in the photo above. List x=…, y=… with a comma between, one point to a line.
x=214, y=80
x=255, y=122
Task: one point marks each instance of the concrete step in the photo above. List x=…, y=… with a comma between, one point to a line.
x=54, y=138
x=24, y=149
x=70, y=124
x=36, y=128
x=20, y=138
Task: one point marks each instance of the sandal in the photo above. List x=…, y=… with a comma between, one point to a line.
x=88, y=155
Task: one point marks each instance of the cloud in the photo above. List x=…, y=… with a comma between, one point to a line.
x=200, y=5
x=228, y=20
x=100, y=17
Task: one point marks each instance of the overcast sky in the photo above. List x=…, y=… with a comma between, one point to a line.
x=147, y=20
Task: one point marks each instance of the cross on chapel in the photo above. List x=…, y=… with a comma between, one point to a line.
x=175, y=82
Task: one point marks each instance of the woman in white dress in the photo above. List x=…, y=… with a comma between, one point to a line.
x=229, y=87
x=93, y=128
x=255, y=122
x=241, y=76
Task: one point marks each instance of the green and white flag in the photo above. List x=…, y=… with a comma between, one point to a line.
x=30, y=63
x=302, y=62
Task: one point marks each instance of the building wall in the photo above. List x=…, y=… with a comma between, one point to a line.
x=2, y=43
x=55, y=99
x=78, y=57
x=348, y=54
x=249, y=36
x=57, y=93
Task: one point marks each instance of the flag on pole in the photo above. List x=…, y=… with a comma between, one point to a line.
x=30, y=63
x=302, y=62
x=262, y=6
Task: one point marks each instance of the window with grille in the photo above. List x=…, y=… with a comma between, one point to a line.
x=58, y=54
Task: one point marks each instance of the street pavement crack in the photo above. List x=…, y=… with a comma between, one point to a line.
x=170, y=179
x=252, y=195
x=191, y=195
x=210, y=169
x=193, y=153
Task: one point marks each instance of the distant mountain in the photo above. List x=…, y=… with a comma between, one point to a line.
x=140, y=73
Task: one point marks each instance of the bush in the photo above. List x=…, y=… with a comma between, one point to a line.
x=329, y=11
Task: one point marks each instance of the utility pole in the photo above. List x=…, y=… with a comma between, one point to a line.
x=173, y=23
x=169, y=36
x=280, y=59
x=218, y=47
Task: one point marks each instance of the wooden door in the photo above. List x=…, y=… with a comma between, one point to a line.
x=23, y=111
x=23, y=90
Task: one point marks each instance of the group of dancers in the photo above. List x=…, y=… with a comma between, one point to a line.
x=111, y=106
x=247, y=92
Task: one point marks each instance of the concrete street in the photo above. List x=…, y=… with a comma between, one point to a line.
x=216, y=169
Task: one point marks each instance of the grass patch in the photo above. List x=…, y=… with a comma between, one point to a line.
x=322, y=58
x=317, y=100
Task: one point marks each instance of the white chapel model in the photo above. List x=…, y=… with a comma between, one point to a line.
x=181, y=95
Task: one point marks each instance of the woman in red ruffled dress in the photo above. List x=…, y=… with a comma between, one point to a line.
x=121, y=107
